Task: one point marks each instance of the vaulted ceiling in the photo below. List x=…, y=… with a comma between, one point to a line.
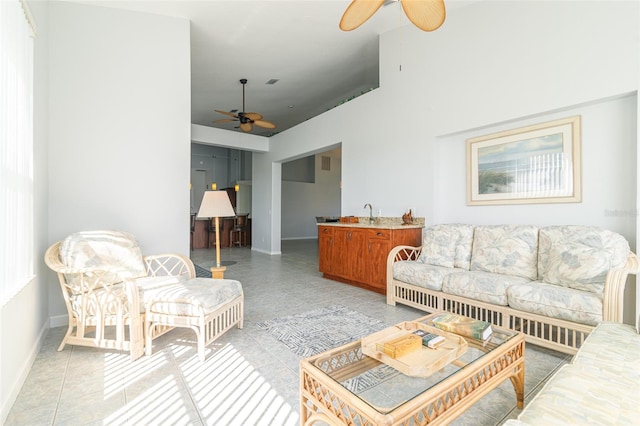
x=296, y=42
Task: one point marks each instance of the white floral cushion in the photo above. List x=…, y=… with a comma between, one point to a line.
x=612, y=346
x=421, y=274
x=506, y=249
x=115, y=251
x=599, y=387
x=555, y=301
x=150, y=287
x=579, y=257
x=190, y=297
x=447, y=245
x=483, y=286
x=578, y=395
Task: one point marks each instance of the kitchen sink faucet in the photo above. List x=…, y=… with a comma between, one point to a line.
x=370, y=213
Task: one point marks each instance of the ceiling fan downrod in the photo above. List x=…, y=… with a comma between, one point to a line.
x=243, y=81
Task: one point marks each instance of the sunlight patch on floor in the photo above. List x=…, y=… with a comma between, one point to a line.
x=228, y=390
x=161, y=403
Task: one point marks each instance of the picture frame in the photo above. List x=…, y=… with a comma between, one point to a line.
x=539, y=163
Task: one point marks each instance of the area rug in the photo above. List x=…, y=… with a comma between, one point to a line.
x=322, y=329
x=202, y=272
x=319, y=330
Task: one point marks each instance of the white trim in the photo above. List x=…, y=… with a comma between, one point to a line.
x=58, y=321
x=29, y=16
x=21, y=378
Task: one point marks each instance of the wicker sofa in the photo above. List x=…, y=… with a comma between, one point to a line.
x=555, y=284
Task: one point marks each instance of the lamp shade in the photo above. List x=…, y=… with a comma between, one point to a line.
x=215, y=204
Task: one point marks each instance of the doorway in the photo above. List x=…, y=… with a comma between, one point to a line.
x=310, y=188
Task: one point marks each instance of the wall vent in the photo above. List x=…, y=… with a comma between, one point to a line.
x=326, y=163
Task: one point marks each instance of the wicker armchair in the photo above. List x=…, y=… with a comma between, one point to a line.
x=98, y=271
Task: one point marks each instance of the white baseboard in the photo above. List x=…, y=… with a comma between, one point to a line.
x=314, y=237
x=59, y=321
x=271, y=253
x=22, y=377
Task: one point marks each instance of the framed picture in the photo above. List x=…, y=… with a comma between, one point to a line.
x=533, y=164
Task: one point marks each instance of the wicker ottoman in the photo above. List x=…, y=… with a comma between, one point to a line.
x=208, y=306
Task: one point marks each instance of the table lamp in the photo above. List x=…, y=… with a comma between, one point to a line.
x=216, y=204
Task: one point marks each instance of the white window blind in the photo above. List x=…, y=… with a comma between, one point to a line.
x=17, y=30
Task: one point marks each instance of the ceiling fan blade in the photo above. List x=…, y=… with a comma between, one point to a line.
x=358, y=12
x=225, y=120
x=226, y=113
x=253, y=116
x=265, y=124
x=246, y=127
x=428, y=15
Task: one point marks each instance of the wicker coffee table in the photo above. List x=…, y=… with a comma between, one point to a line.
x=344, y=386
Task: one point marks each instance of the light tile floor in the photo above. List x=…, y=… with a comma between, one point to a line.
x=248, y=378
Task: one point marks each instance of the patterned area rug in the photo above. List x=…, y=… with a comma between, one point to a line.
x=202, y=272
x=322, y=329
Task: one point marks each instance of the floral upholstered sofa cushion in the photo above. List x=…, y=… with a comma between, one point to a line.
x=447, y=245
x=555, y=301
x=506, y=249
x=573, y=262
x=579, y=257
x=446, y=249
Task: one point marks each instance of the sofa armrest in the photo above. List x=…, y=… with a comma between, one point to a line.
x=613, y=301
x=171, y=264
x=396, y=254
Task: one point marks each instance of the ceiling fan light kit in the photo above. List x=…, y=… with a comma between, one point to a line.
x=246, y=119
x=428, y=15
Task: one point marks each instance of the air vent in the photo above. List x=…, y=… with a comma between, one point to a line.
x=326, y=163
x=273, y=81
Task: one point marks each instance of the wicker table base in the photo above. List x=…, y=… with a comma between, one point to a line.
x=324, y=398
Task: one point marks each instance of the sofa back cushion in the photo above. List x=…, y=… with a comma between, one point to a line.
x=506, y=249
x=579, y=257
x=447, y=245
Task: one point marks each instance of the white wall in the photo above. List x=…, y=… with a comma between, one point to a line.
x=490, y=65
x=119, y=126
x=608, y=150
x=29, y=308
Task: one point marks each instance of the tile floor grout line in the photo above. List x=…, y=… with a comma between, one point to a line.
x=64, y=379
x=184, y=382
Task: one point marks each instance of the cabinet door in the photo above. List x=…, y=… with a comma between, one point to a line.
x=340, y=252
x=356, y=256
x=325, y=248
x=378, y=247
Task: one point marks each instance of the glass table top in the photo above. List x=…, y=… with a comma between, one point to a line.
x=383, y=387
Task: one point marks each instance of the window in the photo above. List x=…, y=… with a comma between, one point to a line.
x=16, y=147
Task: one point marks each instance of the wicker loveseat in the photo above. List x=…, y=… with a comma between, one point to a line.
x=555, y=284
x=118, y=299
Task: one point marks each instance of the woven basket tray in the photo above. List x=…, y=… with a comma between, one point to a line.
x=422, y=362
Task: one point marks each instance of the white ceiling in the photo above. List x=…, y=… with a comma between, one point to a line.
x=297, y=42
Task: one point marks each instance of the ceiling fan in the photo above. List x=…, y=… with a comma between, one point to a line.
x=428, y=15
x=246, y=119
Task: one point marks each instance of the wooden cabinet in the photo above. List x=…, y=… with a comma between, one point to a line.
x=325, y=245
x=357, y=255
